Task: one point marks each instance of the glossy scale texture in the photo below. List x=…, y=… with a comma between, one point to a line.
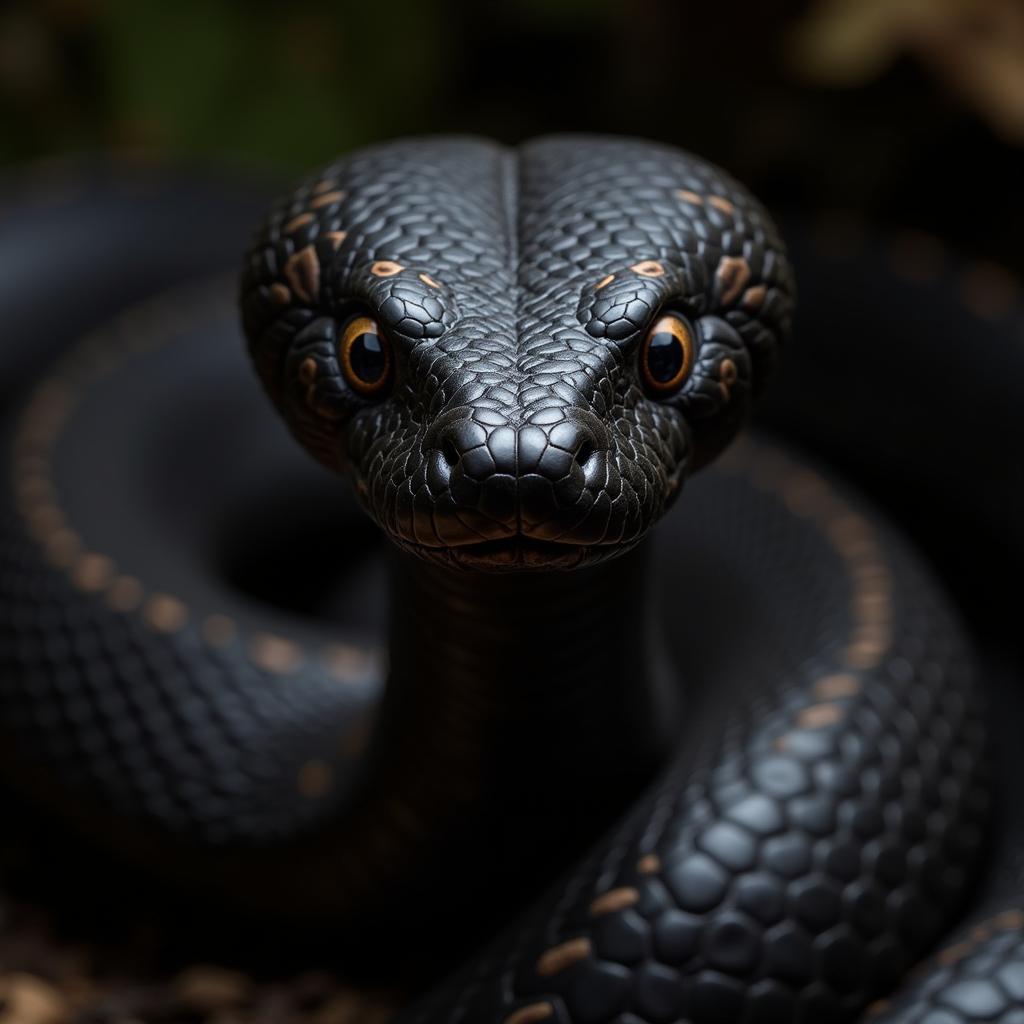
x=821, y=820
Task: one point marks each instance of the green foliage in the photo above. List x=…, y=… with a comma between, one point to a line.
x=286, y=83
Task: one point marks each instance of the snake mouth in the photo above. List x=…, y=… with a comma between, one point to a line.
x=519, y=553
x=508, y=554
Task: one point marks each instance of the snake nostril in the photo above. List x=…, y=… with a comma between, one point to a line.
x=585, y=451
x=449, y=452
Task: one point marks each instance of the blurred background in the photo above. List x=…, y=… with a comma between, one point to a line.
x=907, y=111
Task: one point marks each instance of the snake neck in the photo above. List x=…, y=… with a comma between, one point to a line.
x=524, y=700
x=522, y=714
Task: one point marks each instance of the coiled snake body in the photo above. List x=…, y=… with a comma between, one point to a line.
x=517, y=357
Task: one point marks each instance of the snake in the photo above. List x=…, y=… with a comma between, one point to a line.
x=625, y=750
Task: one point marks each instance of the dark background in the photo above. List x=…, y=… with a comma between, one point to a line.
x=900, y=111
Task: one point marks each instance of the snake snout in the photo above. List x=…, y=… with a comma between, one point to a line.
x=506, y=481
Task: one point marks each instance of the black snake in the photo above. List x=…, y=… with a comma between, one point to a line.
x=517, y=357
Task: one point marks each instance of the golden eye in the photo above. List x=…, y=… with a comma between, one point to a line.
x=666, y=357
x=365, y=355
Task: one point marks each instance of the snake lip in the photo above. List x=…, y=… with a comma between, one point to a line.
x=511, y=554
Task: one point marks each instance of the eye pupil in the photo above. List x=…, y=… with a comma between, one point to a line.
x=665, y=357
x=667, y=354
x=367, y=358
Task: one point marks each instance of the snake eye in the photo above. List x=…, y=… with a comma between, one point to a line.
x=666, y=356
x=365, y=355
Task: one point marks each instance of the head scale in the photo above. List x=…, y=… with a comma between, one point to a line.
x=516, y=355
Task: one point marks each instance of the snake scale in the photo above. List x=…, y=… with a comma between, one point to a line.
x=517, y=357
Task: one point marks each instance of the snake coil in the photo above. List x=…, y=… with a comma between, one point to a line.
x=517, y=357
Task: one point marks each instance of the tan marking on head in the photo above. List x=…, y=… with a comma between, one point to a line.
x=219, y=630
x=307, y=375
x=558, y=958
x=386, y=268
x=298, y=222
x=316, y=779
x=125, y=594
x=274, y=653
x=165, y=614
x=729, y=375
x=614, y=899
x=530, y=1014
x=753, y=298
x=648, y=268
x=335, y=238
x=303, y=273
x=648, y=864
x=837, y=686
x=604, y=282
x=731, y=278
x=690, y=197
x=721, y=203
x=279, y=294
x=325, y=199
x=307, y=370
x=428, y=280
x=817, y=716
x=92, y=572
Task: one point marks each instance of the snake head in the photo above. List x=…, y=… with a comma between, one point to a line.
x=516, y=355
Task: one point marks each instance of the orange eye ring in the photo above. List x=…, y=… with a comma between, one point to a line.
x=667, y=354
x=365, y=355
